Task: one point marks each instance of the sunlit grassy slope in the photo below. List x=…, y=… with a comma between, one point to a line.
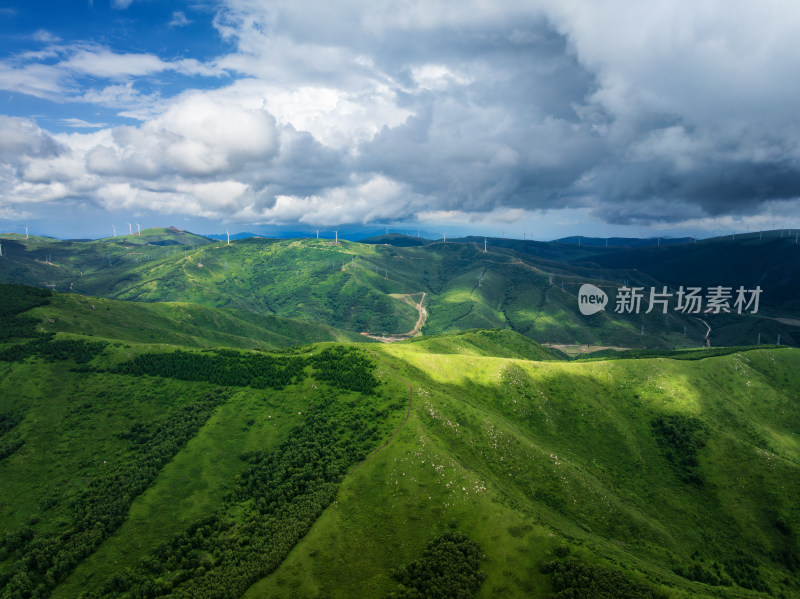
x=682, y=475
x=537, y=459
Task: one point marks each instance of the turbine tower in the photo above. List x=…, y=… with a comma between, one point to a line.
x=484, y=245
x=115, y=230
x=130, y=229
x=228, y=233
x=139, y=229
x=26, y=231
x=1, y=249
x=337, y=237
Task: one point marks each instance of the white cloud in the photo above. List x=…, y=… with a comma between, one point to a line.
x=437, y=77
x=45, y=37
x=21, y=138
x=126, y=98
x=59, y=73
x=107, y=64
x=702, y=61
x=375, y=199
x=101, y=62
x=81, y=124
x=31, y=193
x=8, y=213
x=179, y=19
x=37, y=80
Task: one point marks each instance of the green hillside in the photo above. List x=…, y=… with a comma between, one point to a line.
x=501, y=343
x=679, y=474
x=179, y=323
x=368, y=288
x=145, y=470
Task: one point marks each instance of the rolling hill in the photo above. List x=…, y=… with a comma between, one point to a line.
x=133, y=469
x=179, y=323
x=368, y=288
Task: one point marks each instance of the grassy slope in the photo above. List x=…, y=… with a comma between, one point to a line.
x=525, y=457
x=72, y=424
x=348, y=286
x=501, y=343
x=179, y=323
x=192, y=485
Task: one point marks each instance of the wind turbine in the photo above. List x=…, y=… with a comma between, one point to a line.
x=337, y=238
x=484, y=245
x=26, y=231
x=444, y=237
x=115, y=230
x=1, y=249
x=228, y=233
x=317, y=233
x=139, y=229
x=130, y=229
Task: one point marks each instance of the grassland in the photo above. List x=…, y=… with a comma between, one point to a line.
x=535, y=460
x=672, y=476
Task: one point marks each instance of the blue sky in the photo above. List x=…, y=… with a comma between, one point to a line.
x=546, y=118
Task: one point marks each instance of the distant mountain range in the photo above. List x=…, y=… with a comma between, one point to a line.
x=375, y=287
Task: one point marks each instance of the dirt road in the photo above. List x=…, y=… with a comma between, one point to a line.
x=417, y=330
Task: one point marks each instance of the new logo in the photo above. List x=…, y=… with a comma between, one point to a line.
x=591, y=299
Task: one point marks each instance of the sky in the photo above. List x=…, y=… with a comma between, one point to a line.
x=541, y=118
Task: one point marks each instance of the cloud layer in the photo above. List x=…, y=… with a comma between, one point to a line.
x=640, y=113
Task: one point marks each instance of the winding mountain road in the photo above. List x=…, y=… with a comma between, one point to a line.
x=416, y=331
